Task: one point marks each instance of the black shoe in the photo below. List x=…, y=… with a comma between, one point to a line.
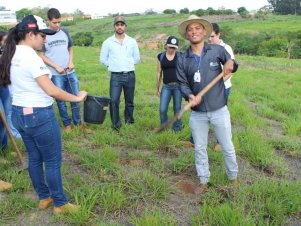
x=116, y=128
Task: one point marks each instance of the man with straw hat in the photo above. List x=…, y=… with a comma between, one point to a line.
x=197, y=67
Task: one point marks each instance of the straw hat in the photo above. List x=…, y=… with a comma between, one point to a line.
x=194, y=19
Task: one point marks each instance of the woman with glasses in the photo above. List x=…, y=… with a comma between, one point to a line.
x=33, y=114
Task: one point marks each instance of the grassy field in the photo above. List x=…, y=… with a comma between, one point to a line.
x=138, y=177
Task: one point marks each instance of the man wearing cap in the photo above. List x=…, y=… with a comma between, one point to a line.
x=120, y=53
x=197, y=67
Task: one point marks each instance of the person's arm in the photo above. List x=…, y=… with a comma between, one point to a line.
x=46, y=60
x=46, y=84
x=70, y=63
x=182, y=78
x=136, y=54
x=159, y=76
x=104, y=54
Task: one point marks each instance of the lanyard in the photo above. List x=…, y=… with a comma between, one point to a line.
x=198, y=61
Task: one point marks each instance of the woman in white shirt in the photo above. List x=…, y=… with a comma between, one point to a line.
x=33, y=115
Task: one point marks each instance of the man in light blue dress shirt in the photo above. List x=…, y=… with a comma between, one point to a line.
x=120, y=53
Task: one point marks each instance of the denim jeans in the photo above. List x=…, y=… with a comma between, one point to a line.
x=4, y=107
x=13, y=130
x=168, y=91
x=41, y=135
x=227, y=93
x=199, y=124
x=70, y=84
x=117, y=83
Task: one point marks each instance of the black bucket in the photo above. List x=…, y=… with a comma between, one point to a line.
x=95, y=109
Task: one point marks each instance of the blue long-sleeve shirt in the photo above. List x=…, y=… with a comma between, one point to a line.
x=118, y=56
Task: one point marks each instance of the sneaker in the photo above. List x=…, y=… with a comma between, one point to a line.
x=201, y=189
x=45, y=203
x=218, y=147
x=68, y=129
x=4, y=185
x=67, y=208
x=234, y=182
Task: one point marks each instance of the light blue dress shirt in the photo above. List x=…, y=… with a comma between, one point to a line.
x=120, y=57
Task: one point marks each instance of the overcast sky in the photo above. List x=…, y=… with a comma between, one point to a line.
x=131, y=6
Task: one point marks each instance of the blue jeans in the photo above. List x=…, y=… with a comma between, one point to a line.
x=4, y=107
x=199, y=124
x=41, y=135
x=168, y=91
x=13, y=130
x=117, y=83
x=70, y=84
x=227, y=93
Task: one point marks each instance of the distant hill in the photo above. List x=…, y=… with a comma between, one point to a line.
x=152, y=30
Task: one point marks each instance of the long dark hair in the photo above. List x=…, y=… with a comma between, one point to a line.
x=13, y=38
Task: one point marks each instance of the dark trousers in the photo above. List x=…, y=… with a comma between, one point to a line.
x=119, y=81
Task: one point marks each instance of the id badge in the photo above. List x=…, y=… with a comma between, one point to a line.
x=197, y=76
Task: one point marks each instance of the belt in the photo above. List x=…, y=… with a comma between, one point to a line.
x=122, y=72
x=172, y=83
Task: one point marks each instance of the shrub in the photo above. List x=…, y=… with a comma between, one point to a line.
x=83, y=39
x=275, y=47
x=247, y=44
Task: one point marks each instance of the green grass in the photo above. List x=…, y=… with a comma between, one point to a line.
x=98, y=173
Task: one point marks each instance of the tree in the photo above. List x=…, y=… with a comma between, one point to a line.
x=78, y=13
x=20, y=14
x=243, y=12
x=169, y=11
x=150, y=11
x=285, y=7
x=184, y=11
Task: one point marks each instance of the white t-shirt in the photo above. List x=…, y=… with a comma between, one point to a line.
x=26, y=66
x=228, y=83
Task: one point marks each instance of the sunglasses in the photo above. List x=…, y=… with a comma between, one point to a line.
x=42, y=35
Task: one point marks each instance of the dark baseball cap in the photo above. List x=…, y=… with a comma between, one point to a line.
x=119, y=19
x=172, y=41
x=34, y=23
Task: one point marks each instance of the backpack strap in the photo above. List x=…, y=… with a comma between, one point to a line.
x=162, y=56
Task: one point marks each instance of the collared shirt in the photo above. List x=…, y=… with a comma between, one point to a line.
x=213, y=57
x=119, y=57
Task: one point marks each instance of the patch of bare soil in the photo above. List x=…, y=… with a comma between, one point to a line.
x=293, y=164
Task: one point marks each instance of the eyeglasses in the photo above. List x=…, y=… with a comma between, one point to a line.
x=42, y=35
